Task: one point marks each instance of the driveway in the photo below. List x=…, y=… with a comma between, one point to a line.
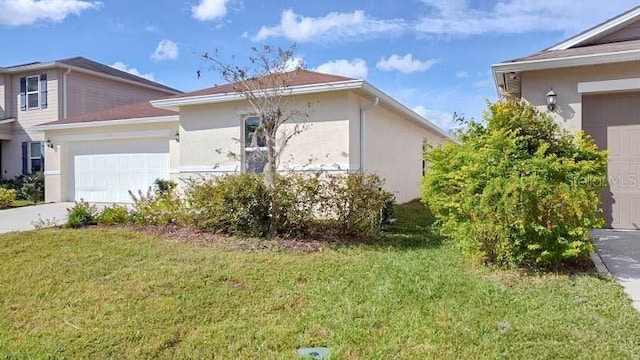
x=620, y=252
x=21, y=219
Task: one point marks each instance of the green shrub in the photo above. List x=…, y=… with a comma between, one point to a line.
x=81, y=214
x=7, y=197
x=31, y=187
x=232, y=204
x=113, y=214
x=517, y=190
x=308, y=205
x=160, y=205
x=359, y=202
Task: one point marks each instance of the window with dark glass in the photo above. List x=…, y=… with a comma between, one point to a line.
x=255, y=146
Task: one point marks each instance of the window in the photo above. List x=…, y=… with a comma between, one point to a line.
x=33, y=92
x=32, y=157
x=255, y=146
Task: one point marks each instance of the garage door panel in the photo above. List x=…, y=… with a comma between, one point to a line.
x=108, y=177
x=616, y=115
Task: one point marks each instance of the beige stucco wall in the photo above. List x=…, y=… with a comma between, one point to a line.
x=104, y=139
x=536, y=84
x=393, y=150
x=209, y=132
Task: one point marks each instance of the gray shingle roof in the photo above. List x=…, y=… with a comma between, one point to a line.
x=581, y=51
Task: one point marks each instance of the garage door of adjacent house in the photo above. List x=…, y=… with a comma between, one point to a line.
x=105, y=171
x=613, y=120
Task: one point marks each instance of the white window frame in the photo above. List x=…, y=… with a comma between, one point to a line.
x=248, y=149
x=30, y=157
x=36, y=92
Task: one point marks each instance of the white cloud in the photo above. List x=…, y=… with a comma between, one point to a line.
x=245, y=35
x=333, y=26
x=26, y=12
x=293, y=64
x=443, y=119
x=462, y=74
x=356, y=68
x=458, y=18
x=486, y=80
x=131, y=70
x=405, y=64
x=209, y=10
x=166, y=50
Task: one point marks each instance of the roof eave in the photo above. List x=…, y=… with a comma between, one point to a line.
x=99, y=123
x=175, y=103
x=557, y=63
x=56, y=64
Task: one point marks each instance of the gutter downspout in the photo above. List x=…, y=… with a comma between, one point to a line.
x=64, y=95
x=363, y=119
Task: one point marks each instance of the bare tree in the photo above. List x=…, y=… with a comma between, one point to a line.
x=266, y=85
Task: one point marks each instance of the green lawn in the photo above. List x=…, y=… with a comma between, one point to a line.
x=22, y=203
x=114, y=293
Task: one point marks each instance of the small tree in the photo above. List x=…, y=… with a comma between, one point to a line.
x=517, y=189
x=265, y=84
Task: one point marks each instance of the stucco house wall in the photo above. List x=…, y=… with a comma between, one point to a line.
x=536, y=84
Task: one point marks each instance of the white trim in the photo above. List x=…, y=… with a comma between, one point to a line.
x=175, y=103
x=609, y=86
x=314, y=167
x=117, y=135
x=210, y=169
x=610, y=26
x=52, y=172
x=87, y=124
x=570, y=61
x=174, y=171
x=7, y=121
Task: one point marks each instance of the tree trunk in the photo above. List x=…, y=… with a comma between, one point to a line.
x=272, y=185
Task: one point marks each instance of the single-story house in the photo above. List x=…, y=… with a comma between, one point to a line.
x=99, y=157
x=591, y=82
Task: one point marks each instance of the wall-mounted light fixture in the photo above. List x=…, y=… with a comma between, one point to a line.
x=552, y=100
x=49, y=144
x=177, y=136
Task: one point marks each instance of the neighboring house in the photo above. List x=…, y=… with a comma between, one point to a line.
x=353, y=126
x=596, y=79
x=41, y=92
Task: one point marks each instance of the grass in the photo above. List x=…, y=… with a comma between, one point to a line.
x=22, y=203
x=114, y=293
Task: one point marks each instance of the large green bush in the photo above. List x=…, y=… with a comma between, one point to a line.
x=517, y=189
x=307, y=204
x=27, y=187
x=7, y=197
x=232, y=204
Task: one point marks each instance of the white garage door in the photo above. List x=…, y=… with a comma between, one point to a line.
x=105, y=171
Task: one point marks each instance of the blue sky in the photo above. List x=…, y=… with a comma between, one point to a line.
x=432, y=55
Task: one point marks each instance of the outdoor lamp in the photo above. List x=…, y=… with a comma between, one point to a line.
x=552, y=99
x=49, y=144
x=177, y=136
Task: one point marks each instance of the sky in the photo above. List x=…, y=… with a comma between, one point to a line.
x=434, y=56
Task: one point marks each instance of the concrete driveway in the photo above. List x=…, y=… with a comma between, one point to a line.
x=620, y=252
x=21, y=219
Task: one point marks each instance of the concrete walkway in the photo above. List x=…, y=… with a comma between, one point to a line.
x=21, y=219
x=620, y=252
